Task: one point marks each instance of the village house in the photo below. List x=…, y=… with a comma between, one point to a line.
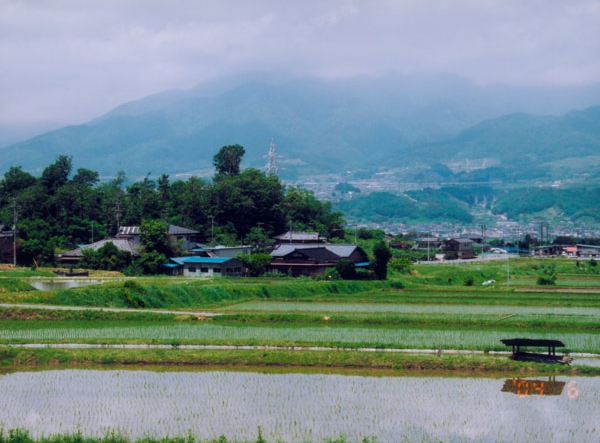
x=194, y=266
x=300, y=237
x=74, y=256
x=458, y=248
x=221, y=251
x=425, y=243
x=314, y=258
x=185, y=238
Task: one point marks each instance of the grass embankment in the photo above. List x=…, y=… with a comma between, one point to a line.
x=23, y=436
x=434, y=305
x=170, y=293
x=13, y=358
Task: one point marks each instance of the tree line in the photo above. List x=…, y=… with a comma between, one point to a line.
x=63, y=208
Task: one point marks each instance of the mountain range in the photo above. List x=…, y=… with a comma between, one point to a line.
x=442, y=128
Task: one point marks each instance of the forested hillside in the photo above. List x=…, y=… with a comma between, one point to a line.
x=331, y=127
x=579, y=204
x=63, y=208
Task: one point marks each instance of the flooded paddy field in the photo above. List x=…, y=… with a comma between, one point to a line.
x=301, y=407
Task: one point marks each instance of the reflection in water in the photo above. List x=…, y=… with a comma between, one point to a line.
x=524, y=387
x=62, y=283
x=294, y=407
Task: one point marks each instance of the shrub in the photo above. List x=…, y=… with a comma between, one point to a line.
x=546, y=280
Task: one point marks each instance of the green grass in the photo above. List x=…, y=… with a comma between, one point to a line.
x=420, y=310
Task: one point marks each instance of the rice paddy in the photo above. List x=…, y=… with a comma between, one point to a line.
x=298, y=407
x=264, y=322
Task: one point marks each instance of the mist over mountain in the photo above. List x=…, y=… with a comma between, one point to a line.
x=321, y=126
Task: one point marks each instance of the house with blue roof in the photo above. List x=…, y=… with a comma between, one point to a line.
x=194, y=266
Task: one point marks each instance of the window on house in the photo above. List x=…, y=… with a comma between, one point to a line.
x=192, y=269
x=204, y=270
x=217, y=270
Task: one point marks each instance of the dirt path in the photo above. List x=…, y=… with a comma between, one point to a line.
x=92, y=308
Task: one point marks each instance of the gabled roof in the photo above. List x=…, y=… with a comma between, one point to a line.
x=300, y=236
x=460, y=240
x=178, y=230
x=121, y=243
x=319, y=254
x=340, y=250
x=173, y=230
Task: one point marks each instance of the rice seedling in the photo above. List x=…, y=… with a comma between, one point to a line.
x=293, y=407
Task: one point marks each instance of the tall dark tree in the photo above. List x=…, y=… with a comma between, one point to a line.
x=57, y=174
x=249, y=199
x=153, y=238
x=382, y=256
x=15, y=180
x=228, y=160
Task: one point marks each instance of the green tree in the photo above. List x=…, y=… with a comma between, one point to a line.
x=57, y=174
x=256, y=264
x=346, y=269
x=155, y=246
x=248, y=200
x=309, y=213
x=401, y=264
x=153, y=236
x=108, y=257
x=15, y=180
x=382, y=256
x=228, y=160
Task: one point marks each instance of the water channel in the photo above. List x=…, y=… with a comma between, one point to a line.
x=300, y=407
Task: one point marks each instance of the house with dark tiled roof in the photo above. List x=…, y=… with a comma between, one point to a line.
x=74, y=256
x=314, y=258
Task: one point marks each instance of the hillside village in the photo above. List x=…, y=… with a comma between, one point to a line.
x=299, y=253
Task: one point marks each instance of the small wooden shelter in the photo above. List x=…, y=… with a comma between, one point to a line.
x=549, y=357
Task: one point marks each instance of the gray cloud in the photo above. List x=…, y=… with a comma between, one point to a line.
x=69, y=61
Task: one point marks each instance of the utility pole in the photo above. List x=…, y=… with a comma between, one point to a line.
x=212, y=229
x=428, y=239
x=14, y=205
x=118, y=212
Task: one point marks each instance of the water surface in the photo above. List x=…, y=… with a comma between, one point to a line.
x=298, y=407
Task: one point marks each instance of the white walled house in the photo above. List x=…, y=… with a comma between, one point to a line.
x=194, y=266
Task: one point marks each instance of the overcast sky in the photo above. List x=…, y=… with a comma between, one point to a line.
x=69, y=61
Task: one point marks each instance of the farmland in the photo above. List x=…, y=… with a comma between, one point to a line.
x=420, y=310
x=312, y=360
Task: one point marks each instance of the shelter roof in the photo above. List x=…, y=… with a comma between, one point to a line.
x=540, y=342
